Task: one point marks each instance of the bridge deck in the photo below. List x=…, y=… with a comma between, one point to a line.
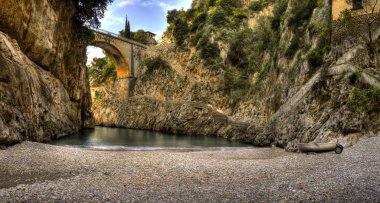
x=105, y=32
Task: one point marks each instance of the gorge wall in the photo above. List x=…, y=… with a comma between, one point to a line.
x=44, y=89
x=272, y=76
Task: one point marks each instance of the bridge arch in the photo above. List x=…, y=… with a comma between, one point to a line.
x=123, y=67
x=126, y=55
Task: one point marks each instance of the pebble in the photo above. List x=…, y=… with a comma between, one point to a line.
x=35, y=172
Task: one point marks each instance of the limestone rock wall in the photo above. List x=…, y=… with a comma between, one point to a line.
x=178, y=117
x=294, y=101
x=42, y=29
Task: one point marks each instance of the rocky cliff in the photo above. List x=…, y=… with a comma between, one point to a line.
x=268, y=65
x=43, y=85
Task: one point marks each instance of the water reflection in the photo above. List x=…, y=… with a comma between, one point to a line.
x=103, y=136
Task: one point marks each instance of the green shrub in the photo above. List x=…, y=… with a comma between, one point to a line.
x=236, y=85
x=210, y=53
x=301, y=12
x=228, y=5
x=180, y=32
x=218, y=17
x=140, y=36
x=241, y=46
x=319, y=29
x=365, y=100
x=315, y=57
x=258, y=5
x=238, y=15
x=155, y=63
x=247, y=47
x=278, y=13
x=102, y=71
x=178, y=25
x=199, y=21
x=194, y=39
x=295, y=44
x=155, y=66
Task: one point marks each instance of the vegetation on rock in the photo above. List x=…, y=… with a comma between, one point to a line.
x=102, y=72
x=89, y=13
x=155, y=64
x=365, y=100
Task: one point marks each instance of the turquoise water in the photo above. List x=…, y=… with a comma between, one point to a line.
x=103, y=137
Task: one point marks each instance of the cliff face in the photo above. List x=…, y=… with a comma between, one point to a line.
x=276, y=75
x=48, y=61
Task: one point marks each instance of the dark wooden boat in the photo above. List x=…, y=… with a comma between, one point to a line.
x=320, y=147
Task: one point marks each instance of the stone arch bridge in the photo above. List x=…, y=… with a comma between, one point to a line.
x=126, y=54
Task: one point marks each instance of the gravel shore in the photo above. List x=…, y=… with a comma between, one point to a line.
x=36, y=172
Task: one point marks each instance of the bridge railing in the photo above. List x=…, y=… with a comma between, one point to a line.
x=120, y=38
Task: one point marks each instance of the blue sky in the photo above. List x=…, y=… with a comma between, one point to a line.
x=149, y=15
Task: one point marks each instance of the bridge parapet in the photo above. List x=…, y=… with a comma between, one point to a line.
x=114, y=35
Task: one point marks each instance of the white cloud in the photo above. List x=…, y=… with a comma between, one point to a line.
x=160, y=3
x=110, y=20
x=185, y=4
x=126, y=2
x=145, y=3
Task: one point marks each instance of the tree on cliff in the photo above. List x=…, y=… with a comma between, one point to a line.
x=89, y=12
x=140, y=36
x=127, y=29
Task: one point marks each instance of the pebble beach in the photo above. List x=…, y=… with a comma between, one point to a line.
x=36, y=172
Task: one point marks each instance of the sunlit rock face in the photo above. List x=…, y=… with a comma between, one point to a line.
x=294, y=101
x=43, y=75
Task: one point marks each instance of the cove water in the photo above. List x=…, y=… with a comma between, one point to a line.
x=105, y=138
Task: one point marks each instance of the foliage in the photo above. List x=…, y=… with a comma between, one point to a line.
x=319, y=29
x=238, y=15
x=218, y=16
x=127, y=29
x=178, y=25
x=315, y=57
x=140, y=36
x=228, y=5
x=102, y=71
x=208, y=51
x=155, y=64
x=258, y=5
x=247, y=46
x=301, y=12
x=199, y=21
x=295, y=44
x=365, y=100
x=278, y=13
x=236, y=85
x=88, y=13
x=84, y=33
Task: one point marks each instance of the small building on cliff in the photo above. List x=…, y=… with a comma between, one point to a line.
x=350, y=23
x=357, y=7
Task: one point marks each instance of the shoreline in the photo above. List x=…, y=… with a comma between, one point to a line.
x=41, y=172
